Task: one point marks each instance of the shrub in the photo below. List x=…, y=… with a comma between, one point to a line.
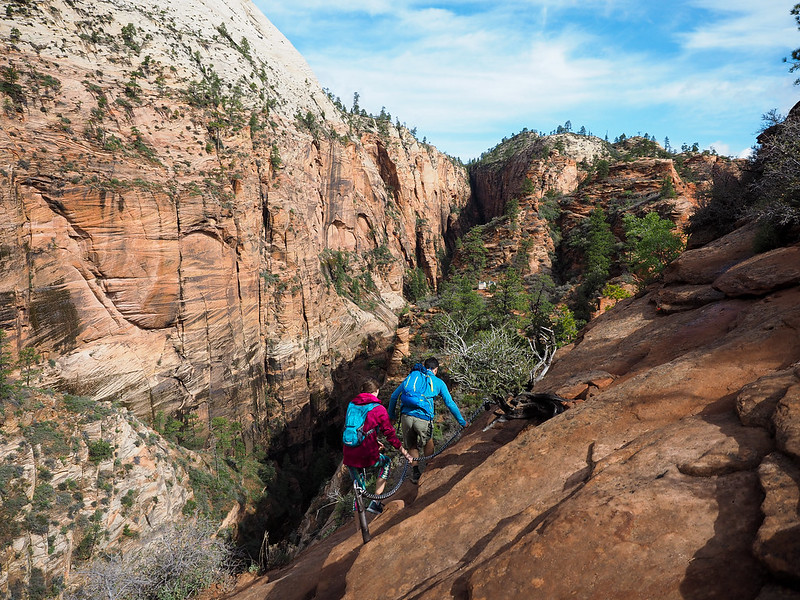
x=91, y=409
x=777, y=188
x=565, y=326
x=616, y=292
x=601, y=169
x=127, y=499
x=43, y=496
x=722, y=206
x=100, y=450
x=668, y=188
x=5, y=365
x=497, y=362
x=47, y=434
x=175, y=563
x=652, y=244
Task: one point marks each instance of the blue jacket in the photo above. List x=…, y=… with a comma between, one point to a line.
x=439, y=389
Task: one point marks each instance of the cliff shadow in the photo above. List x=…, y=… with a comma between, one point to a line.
x=738, y=494
x=306, y=454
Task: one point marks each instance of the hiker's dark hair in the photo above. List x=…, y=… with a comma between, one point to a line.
x=431, y=363
x=369, y=386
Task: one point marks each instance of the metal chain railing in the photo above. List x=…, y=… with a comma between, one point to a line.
x=365, y=494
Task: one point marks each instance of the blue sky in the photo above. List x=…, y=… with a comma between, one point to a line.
x=468, y=73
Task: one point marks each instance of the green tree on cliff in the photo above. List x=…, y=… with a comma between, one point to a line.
x=795, y=60
x=472, y=253
x=652, y=243
x=508, y=296
x=28, y=359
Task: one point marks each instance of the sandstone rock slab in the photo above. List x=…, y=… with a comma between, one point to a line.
x=706, y=264
x=778, y=542
x=762, y=274
x=787, y=422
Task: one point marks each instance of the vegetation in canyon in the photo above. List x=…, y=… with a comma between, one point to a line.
x=527, y=266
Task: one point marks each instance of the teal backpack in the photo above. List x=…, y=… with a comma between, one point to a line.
x=354, y=432
x=414, y=387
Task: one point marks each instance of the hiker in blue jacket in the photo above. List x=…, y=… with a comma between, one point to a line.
x=416, y=394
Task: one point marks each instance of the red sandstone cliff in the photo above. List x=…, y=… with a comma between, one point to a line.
x=173, y=183
x=678, y=476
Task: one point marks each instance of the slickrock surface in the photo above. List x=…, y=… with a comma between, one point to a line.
x=677, y=478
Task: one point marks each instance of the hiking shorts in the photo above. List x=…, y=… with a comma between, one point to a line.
x=416, y=432
x=360, y=475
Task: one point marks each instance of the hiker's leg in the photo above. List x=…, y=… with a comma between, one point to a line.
x=427, y=435
x=429, y=447
x=409, y=435
x=383, y=464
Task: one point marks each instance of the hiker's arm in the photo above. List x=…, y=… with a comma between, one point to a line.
x=393, y=401
x=451, y=406
x=387, y=430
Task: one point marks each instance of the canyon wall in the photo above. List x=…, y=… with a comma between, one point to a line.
x=672, y=474
x=189, y=223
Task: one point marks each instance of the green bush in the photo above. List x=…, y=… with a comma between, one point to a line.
x=652, y=244
x=47, y=435
x=90, y=409
x=565, y=326
x=100, y=450
x=601, y=168
x=5, y=366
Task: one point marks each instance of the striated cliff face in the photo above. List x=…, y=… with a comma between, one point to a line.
x=189, y=224
x=674, y=474
x=80, y=478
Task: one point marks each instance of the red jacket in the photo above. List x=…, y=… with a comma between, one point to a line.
x=366, y=454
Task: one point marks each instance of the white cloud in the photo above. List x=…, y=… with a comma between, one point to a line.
x=744, y=24
x=746, y=153
x=468, y=67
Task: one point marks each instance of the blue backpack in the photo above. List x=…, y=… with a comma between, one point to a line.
x=354, y=432
x=414, y=387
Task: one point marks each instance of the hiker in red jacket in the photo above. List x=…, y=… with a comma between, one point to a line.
x=367, y=454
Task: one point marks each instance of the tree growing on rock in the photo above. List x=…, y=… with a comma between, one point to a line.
x=795, y=60
x=508, y=295
x=498, y=362
x=5, y=365
x=777, y=188
x=28, y=359
x=652, y=243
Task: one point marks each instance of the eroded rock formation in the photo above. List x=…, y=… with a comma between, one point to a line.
x=80, y=478
x=189, y=224
x=681, y=462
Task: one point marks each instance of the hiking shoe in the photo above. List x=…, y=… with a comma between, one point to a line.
x=375, y=507
x=415, y=475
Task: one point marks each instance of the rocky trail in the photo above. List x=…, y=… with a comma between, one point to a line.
x=679, y=459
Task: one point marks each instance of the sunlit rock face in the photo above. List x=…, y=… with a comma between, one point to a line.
x=189, y=223
x=678, y=457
